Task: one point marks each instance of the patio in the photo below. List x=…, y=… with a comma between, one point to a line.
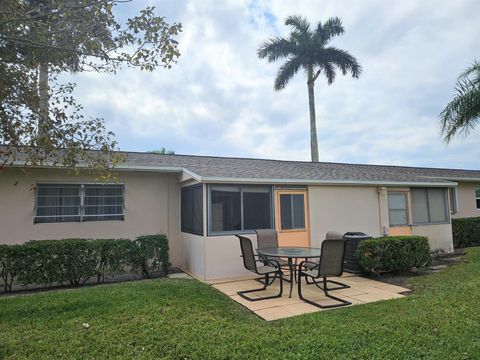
x=362, y=291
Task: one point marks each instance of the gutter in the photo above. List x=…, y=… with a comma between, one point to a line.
x=213, y=179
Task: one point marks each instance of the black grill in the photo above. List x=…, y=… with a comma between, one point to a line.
x=353, y=239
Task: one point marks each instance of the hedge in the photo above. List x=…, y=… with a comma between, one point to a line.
x=466, y=232
x=394, y=253
x=75, y=261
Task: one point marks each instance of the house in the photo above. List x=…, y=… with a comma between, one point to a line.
x=199, y=202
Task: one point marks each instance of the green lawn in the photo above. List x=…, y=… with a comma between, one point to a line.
x=166, y=318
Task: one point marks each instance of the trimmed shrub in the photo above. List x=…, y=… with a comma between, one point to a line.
x=394, y=253
x=75, y=261
x=149, y=253
x=10, y=264
x=57, y=261
x=111, y=256
x=466, y=232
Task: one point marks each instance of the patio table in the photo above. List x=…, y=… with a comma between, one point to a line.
x=291, y=253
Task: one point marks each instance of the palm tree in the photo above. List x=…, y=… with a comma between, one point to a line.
x=462, y=114
x=307, y=49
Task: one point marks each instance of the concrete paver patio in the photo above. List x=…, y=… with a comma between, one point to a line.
x=362, y=290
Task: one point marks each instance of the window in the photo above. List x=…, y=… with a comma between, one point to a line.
x=78, y=202
x=452, y=193
x=429, y=205
x=292, y=211
x=235, y=208
x=477, y=198
x=398, y=208
x=192, y=209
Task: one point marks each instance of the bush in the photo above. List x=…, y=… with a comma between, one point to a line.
x=394, y=253
x=10, y=264
x=57, y=261
x=75, y=261
x=111, y=256
x=149, y=253
x=466, y=232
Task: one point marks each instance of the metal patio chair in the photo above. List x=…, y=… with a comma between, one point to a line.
x=250, y=262
x=268, y=238
x=331, y=235
x=330, y=264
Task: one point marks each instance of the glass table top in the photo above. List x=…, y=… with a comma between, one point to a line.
x=290, y=252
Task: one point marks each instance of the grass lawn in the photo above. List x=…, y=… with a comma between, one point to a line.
x=168, y=318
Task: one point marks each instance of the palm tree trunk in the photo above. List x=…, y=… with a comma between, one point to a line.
x=43, y=116
x=313, y=121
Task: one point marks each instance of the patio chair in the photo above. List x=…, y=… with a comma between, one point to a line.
x=250, y=263
x=268, y=238
x=331, y=264
x=330, y=235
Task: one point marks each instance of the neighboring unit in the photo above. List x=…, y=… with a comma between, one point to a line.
x=201, y=202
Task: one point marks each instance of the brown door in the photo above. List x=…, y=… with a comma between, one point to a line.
x=291, y=217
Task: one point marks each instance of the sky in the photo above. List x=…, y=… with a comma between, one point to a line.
x=219, y=98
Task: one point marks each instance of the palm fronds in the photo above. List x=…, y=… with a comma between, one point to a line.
x=462, y=114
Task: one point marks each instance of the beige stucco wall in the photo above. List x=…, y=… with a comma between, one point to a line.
x=342, y=209
x=439, y=236
x=193, y=254
x=152, y=205
x=467, y=206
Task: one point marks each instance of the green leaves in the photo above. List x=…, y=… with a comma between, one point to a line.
x=70, y=36
x=75, y=261
x=307, y=49
x=462, y=114
x=394, y=253
x=466, y=232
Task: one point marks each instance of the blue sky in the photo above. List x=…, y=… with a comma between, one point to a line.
x=219, y=98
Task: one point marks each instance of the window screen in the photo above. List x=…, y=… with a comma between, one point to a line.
x=192, y=209
x=398, y=208
x=429, y=205
x=452, y=192
x=292, y=211
x=57, y=203
x=225, y=208
x=78, y=202
x=257, y=205
x=239, y=208
x=103, y=202
x=477, y=198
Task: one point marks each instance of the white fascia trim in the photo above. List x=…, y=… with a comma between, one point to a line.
x=326, y=182
x=459, y=179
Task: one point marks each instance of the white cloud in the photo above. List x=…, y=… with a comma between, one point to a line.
x=219, y=98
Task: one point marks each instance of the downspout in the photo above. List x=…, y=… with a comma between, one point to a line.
x=383, y=210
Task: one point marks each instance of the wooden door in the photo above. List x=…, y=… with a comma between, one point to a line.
x=292, y=217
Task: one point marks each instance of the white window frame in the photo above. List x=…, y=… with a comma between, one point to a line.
x=477, y=198
x=81, y=214
x=447, y=212
x=407, y=208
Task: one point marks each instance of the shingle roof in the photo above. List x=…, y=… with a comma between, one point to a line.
x=211, y=168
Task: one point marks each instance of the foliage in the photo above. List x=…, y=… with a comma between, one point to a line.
x=10, y=264
x=57, y=261
x=187, y=319
x=163, y=151
x=111, y=256
x=394, y=253
x=150, y=253
x=75, y=261
x=462, y=114
x=466, y=232
x=41, y=39
x=308, y=50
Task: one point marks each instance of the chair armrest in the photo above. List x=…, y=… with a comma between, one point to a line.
x=273, y=262
x=302, y=264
